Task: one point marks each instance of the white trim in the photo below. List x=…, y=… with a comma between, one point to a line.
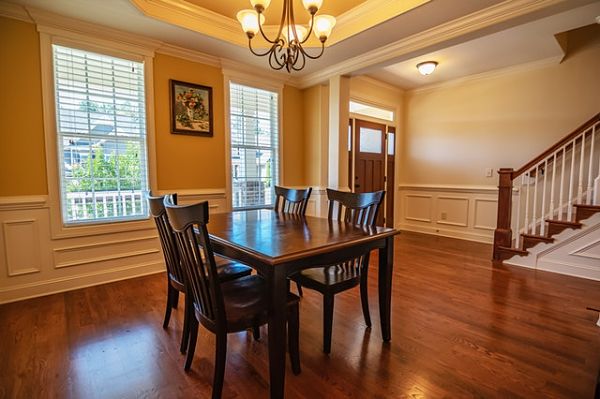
x=197, y=192
x=23, y=202
x=459, y=234
x=97, y=259
x=14, y=11
x=190, y=55
x=473, y=22
x=449, y=188
x=263, y=79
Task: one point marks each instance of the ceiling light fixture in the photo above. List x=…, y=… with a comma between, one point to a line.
x=286, y=49
x=427, y=67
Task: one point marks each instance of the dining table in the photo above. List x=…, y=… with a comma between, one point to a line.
x=278, y=245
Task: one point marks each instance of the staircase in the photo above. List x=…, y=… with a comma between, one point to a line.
x=557, y=191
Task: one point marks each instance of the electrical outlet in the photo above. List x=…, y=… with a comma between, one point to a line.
x=443, y=216
x=489, y=172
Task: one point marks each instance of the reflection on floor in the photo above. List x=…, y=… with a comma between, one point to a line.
x=461, y=328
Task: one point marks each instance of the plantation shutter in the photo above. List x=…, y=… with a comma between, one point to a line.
x=254, y=146
x=101, y=132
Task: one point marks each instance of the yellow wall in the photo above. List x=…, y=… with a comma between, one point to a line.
x=22, y=156
x=453, y=132
x=293, y=140
x=316, y=121
x=188, y=162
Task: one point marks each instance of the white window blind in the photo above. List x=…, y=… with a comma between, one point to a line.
x=101, y=133
x=254, y=146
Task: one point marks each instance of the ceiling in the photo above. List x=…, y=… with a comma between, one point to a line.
x=385, y=42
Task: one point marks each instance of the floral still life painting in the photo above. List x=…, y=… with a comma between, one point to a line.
x=191, y=109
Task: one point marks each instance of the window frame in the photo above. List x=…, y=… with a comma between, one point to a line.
x=231, y=76
x=50, y=36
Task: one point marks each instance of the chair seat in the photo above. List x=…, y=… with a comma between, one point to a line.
x=247, y=303
x=229, y=270
x=331, y=278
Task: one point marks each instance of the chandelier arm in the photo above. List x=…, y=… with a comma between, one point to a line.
x=313, y=57
x=303, y=54
x=273, y=56
x=281, y=23
x=257, y=53
x=312, y=23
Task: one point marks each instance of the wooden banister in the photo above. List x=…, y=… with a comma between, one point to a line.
x=556, y=146
x=503, y=233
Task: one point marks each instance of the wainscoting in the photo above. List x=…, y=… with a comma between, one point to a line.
x=466, y=212
x=34, y=262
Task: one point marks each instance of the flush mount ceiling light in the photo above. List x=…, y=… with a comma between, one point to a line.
x=286, y=49
x=427, y=67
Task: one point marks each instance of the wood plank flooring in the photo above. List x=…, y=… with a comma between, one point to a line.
x=461, y=328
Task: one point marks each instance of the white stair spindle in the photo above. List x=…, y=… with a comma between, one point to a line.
x=535, y=190
x=590, y=185
x=551, y=210
x=562, y=182
x=580, y=180
x=526, y=223
x=570, y=203
x=518, y=220
x=543, y=214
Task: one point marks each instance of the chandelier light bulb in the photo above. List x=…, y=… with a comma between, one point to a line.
x=322, y=26
x=312, y=6
x=427, y=67
x=249, y=21
x=288, y=33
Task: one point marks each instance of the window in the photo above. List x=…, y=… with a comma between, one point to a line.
x=101, y=134
x=369, y=110
x=254, y=146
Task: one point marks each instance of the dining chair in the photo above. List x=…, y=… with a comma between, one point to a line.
x=293, y=201
x=359, y=209
x=175, y=274
x=222, y=307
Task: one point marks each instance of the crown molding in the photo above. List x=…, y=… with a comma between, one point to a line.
x=496, y=73
x=190, y=55
x=450, y=30
x=14, y=11
x=376, y=82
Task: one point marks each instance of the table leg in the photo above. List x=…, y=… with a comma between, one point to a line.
x=386, y=267
x=277, y=329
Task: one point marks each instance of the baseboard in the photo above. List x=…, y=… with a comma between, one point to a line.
x=461, y=235
x=580, y=271
x=47, y=287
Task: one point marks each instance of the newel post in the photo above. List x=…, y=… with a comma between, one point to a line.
x=503, y=233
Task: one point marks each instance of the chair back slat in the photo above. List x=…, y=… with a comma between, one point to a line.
x=166, y=236
x=289, y=200
x=189, y=224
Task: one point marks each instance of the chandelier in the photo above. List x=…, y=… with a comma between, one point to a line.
x=286, y=49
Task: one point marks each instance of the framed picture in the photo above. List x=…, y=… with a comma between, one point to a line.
x=191, y=109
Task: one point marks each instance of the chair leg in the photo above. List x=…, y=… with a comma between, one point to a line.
x=256, y=332
x=220, y=358
x=175, y=301
x=170, y=290
x=294, y=338
x=364, y=297
x=327, y=321
x=187, y=315
x=192, y=343
x=299, y=287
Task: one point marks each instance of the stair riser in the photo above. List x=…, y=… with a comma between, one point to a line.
x=554, y=229
x=584, y=213
x=528, y=242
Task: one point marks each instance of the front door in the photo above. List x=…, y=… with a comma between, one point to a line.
x=370, y=159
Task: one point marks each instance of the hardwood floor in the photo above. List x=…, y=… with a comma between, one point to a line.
x=461, y=328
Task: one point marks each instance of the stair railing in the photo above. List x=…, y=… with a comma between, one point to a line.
x=565, y=174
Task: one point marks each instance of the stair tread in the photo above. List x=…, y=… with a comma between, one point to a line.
x=514, y=250
x=564, y=222
x=585, y=206
x=537, y=237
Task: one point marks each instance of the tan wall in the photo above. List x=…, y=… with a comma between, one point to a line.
x=188, y=162
x=453, y=132
x=22, y=160
x=316, y=120
x=293, y=140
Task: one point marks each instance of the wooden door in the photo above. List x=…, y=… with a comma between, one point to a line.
x=370, y=157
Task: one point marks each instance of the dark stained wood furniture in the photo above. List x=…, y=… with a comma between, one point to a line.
x=279, y=245
x=294, y=201
x=222, y=307
x=175, y=275
x=358, y=209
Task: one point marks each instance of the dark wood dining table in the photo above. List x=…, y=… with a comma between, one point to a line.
x=278, y=245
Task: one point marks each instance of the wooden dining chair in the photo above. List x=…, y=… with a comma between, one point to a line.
x=175, y=274
x=359, y=209
x=222, y=307
x=292, y=201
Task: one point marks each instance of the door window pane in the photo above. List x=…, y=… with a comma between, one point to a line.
x=391, y=143
x=370, y=140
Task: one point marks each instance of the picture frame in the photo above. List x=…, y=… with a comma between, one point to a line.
x=191, y=109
